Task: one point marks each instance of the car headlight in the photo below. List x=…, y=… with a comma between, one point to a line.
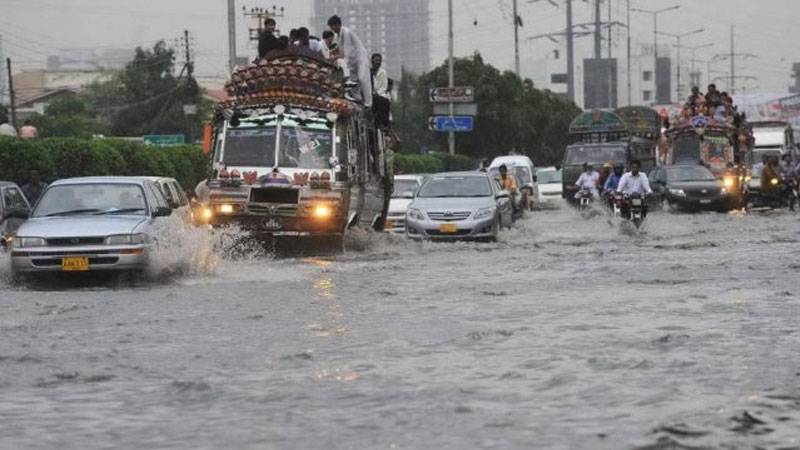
x=774, y=181
x=485, y=212
x=415, y=214
x=25, y=242
x=728, y=182
x=723, y=191
x=126, y=239
x=677, y=192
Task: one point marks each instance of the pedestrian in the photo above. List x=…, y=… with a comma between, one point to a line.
x=713, y=97
x=381, y=103
x=34, y=188
x=327, y=40
x=357, y=59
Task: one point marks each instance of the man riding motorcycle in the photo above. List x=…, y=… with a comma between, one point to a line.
x=508, y=183
x=611, y=184
x=770, y=178
x=634, y=183
x=588, y=182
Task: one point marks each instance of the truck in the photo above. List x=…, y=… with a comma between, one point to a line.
x=291, y=155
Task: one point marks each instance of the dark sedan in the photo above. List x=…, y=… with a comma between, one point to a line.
x=690, y=187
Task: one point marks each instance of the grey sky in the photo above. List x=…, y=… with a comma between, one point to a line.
x=35, y=28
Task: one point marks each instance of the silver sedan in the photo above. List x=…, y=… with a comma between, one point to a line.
x=87, y=224
x=459, y=205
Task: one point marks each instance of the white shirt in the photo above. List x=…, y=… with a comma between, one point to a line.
x=380, y=83
x=588, y=180
x=357, y=59
x=638, y=184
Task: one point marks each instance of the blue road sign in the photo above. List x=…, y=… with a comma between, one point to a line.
x=458, y=124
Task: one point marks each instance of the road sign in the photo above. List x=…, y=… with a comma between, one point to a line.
x=459, y=109
x=457, y=124
x=164, y=140
x=463, y=94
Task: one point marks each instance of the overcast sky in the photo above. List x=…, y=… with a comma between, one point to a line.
x=33, y=29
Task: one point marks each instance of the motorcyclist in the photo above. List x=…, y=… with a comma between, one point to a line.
x=634, y=183
x=604, y=174
x=770, y=178
x=611, y=184
x=588, y=181
x=508, y=183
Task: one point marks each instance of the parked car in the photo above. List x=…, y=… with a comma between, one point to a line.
x=690, y=187
x=550, y=187
x=174, y=195
x=522, y=167
x=89, y=224
x=14, y=209
x=459, y=205
x=405, y=186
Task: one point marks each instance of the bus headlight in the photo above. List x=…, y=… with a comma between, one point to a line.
x=321, y=211
x=728, y=182
x=226, y=208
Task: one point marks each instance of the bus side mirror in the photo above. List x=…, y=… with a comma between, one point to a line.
x=207, y=134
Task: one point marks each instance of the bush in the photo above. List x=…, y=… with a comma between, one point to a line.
x=58, y=158
x=433, y=163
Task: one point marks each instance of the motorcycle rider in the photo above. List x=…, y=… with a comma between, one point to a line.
x=634, y=183
x=508, y=183
x=588, y=181
x=611, y=184
x=770, y=172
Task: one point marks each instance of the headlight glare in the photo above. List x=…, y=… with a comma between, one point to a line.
x=677, y=192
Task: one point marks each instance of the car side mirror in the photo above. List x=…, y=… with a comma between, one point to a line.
x=162, y=212
x=501, y=195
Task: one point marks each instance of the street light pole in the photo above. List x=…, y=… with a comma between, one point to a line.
x=629, y=52
x=678, y=37
x=451, y=137
x=655, y=14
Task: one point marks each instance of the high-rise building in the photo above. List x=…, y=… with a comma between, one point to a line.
x=396, y=29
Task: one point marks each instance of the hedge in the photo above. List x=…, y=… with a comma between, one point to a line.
x=432, y=163
x=57, y=158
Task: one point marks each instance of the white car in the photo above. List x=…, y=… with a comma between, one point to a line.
x=405, y=186
x=550, y=186
x=522, y=167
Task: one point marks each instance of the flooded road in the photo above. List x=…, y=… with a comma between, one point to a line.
x=566, y=334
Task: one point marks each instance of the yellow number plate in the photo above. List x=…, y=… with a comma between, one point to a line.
x=449, y=228
x=75, y=264
x=389, y=224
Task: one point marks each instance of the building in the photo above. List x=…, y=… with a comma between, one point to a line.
x=396, y=29
x=643, y=80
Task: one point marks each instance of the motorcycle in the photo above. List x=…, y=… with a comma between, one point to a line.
x=634, y=210
x=585, y=199
x=615, y=200
x=786, y=195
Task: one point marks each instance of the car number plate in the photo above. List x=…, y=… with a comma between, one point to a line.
x=705, y=202
x=79, y=264
x=272, y=224
x=389, y=224
x=449, y=228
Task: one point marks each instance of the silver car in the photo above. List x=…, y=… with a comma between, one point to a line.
x=88, y=224
x=459, y=205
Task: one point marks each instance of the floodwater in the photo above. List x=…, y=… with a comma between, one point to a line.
x=567, y=334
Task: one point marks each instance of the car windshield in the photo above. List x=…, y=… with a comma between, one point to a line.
x=465, y=186
x=305, y=147
x=596, y=155
x=250, y=147
x=403, y=187
x=94, y=198
x=686, y=149
x=549, y=176
x=698, y=173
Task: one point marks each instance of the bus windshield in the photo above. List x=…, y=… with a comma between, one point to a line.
x=596, y=155
x=305, y=147
x=250, y=147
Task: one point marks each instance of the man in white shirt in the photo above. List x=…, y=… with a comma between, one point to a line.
x=357, y=59
x=381, y=102
x=634, y=182
x=588, y=181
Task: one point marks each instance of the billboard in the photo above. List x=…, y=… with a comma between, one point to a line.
x=599, y=83
x=664, y=81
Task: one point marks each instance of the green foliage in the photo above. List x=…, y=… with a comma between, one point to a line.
x=513, y=116
x=4, y=115
x=58, y=158
x=66, y=117
x=146, y=97
x=433, y=163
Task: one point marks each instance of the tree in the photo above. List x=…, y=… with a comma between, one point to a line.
x=513, y=116
x=67, y=116
x=146, y=97
x=3, y=114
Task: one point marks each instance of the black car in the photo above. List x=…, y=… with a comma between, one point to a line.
x=689, y=187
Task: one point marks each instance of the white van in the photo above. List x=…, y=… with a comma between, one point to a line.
x=523, y=168
x=772, y=138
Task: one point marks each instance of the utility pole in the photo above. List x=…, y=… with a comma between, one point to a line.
x=732, y=57
x=610, y=72
x=733, y=66
x=655, y=14
x=11, y=94
x=451, y=137
x=188, y=54
x=2, y=74
x=630, y=75
x=570, y=55
x=597, y=35
x=517, y=23
x=231, y=34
